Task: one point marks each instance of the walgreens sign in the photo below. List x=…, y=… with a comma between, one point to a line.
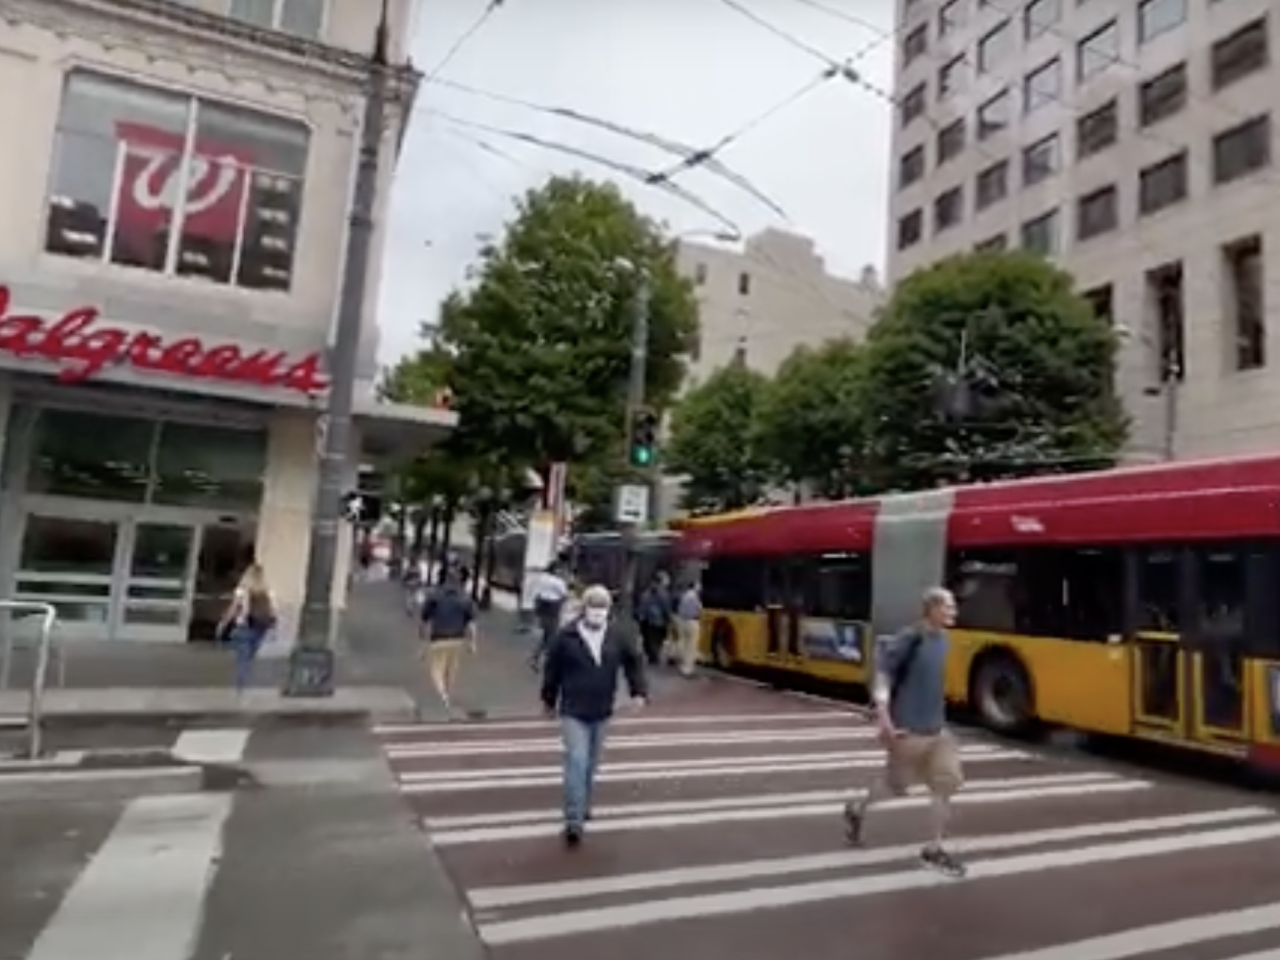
x=82, y=346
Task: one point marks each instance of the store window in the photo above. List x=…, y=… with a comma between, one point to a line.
x=90, y=455
x=218, y=468
x=154, y=180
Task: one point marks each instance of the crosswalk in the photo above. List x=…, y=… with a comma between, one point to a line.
x=719, y=830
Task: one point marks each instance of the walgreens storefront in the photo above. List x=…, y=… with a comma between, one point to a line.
x=142, y=470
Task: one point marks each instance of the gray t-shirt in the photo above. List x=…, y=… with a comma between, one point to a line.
x=919, y=705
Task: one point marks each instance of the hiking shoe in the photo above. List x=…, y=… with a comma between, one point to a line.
x=853, y=819
x=935, y=858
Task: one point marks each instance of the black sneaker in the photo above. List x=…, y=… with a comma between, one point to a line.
x=572, y=836
x=935, y=858
x=853, y=819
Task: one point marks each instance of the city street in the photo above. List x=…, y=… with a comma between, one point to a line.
x=716, y=831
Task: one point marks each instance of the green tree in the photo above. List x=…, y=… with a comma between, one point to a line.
x=713, y=440
x=811, y=422
x=540, y=344
x=989, y=364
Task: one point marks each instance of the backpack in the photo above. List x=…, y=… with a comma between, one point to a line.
x=903, y=670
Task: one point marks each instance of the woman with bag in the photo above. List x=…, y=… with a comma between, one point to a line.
x=245, y=625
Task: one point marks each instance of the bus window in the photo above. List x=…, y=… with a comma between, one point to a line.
x=1220, y=576
x=841, y=587
x=1075, y=594
x=985, y=584
x=733, y=583
x=776, y=586
x=1158, y=590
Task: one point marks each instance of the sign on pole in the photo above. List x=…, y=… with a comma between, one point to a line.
x=631, y=504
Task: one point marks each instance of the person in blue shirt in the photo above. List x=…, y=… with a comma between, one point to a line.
x=910, y=703
x=448, y=629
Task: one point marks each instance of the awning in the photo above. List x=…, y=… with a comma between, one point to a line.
x=397, y=432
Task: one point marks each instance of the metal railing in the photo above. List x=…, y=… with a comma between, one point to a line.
x=40, y=673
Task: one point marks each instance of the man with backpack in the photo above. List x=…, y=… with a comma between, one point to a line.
x=653, y=613
x=910, y=703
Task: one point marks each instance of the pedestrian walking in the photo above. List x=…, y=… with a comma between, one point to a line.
x=448, y=629
x=688, y=624
x=653, y=613
x=580, y=685
x=550, y=591
x=248, y=621
x=910, y=703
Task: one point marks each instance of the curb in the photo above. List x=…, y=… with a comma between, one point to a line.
x=223, y=718
x=63, y=784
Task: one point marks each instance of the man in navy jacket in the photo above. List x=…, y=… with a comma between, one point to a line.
x=580, y=684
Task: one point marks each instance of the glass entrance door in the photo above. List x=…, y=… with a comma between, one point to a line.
x=70, y=561
x=226, y=548
x=155, y=599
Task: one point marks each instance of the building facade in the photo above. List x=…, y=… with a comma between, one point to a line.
x=761, y=302
x=176, y=228
x=1132, y=142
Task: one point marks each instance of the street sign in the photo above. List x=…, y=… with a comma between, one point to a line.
x=631, y=503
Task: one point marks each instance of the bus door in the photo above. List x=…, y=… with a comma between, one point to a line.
x=1158, y=608
x=1228, y=589
x=783, y=611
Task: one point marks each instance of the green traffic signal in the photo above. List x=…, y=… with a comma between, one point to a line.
x=642, y=456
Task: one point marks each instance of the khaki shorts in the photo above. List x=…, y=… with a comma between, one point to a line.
x=931, y=761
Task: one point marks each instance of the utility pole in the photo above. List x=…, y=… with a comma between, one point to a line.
x=311, y=663
x=635, y=403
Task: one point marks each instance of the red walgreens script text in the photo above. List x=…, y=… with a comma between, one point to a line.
x=82, y=346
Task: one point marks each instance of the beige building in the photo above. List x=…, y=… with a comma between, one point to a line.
x=1132, y=142
x=762, y=301
x=175, y=229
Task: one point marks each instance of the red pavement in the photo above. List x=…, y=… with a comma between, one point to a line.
x=716, y=833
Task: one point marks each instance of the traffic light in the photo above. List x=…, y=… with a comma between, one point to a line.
x=642, y=438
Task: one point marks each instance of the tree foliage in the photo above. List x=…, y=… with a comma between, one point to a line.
x=713, y=440
x=811, y=423
x=988, y=364
x=541, y=343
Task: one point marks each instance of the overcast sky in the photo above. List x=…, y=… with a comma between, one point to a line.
x=690, y=70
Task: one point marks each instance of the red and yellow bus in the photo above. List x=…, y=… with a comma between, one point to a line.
x=1140, y=602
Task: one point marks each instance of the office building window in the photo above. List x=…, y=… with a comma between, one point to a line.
x=992, y=244
x=1097, y=130
x=700, y=274
x=948, y=209
x=1242, y=150
x=951, y=17
x=744, y=284
x=915, y=44
x=1165, y=305
x=1098, y=51
x=161, y=181
x=911, y=167
x=1159, y=16
x=1041, y=86
x=1162, y=184
x=1041, y=160
x=1235, y=57
x=913, y=104
x=1101, y=302
x=950, y=141
x=1163, y=95
x=1039, y=16
x=995, y=47
x=304, y=18
x=992, y=185
x=951, y=78
x=1243, y=270
x=995, y=115
x=910, y=229
x=1097, y=213
x=1041, y=234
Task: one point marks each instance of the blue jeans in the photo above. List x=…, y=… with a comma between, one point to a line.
x=582, y=742
x=246, y=640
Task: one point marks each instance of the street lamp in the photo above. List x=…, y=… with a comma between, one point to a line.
x=1167, y=389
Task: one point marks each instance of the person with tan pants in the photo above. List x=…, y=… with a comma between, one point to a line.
x=688, y=627
x=448, y=630
x=910, y=703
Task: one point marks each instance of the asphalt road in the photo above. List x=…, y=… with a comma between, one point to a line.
x=717, y=833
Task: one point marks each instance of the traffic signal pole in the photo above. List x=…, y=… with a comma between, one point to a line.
x=635, y=403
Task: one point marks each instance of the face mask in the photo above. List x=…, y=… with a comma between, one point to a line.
x=595, y=616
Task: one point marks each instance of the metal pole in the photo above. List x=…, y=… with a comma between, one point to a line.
x=311, y=663
x=635, y=400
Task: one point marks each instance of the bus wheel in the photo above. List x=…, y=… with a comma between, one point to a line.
x=722, y=645
x=1001, y=693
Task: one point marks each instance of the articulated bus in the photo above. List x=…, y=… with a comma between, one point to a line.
x=1141, y=602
